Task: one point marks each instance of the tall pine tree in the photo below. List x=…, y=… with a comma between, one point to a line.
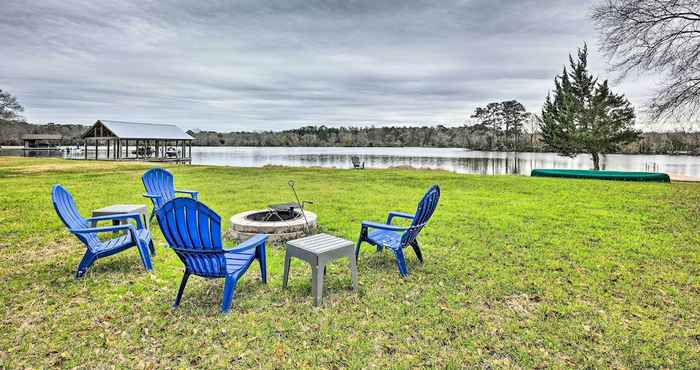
x=503, y=119
x=584, y=116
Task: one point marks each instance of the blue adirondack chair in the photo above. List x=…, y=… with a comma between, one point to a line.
x=135, y=236
x=193, y=231
x=396, y=238
x=160, y=188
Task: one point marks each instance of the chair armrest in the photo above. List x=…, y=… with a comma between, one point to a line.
x=152, y=196
x=192, y=193
x=95, y=230
x=254, y=242
x=377, y=225
x=104, y=229
x=198, y=251
x=398, y=214
x=123, y=216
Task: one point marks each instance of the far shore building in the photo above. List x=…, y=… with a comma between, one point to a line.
x=117, y=140
x=41, y=141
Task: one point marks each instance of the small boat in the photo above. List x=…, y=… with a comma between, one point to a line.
x=143, y=151
x=602, y=175
x=74, y=149
x=171, y=152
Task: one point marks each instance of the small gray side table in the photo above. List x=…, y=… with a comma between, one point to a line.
x=318, y=250
x=120, y=209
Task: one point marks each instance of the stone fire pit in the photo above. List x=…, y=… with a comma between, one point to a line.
x=279, y=227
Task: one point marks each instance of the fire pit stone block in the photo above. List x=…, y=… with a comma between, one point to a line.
x=243, y=226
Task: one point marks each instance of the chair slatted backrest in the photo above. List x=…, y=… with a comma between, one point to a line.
x=194, y=232
x=159, y=181
x=67, y=211
x=424, y=211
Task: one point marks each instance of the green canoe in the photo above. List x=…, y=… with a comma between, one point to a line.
x=603, y=175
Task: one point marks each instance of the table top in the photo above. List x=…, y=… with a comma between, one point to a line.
x=320, y=243
x=121, y=208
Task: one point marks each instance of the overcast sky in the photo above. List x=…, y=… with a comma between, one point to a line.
x=259, y=65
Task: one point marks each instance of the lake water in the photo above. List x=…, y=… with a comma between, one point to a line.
x=450, y=159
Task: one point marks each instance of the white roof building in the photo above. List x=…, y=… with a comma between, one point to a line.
x=135, y=131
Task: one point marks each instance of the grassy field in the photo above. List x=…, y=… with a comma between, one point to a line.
x=520, y=273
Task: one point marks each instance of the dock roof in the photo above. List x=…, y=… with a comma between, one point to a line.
x=134, y=130
x=41, y=137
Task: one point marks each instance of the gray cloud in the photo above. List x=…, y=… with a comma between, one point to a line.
x=254, y=65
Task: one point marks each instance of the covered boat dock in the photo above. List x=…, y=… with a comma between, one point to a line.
x=41, y=141
x=118, y=140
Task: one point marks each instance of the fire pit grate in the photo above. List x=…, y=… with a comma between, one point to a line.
x=275, y=214
x=281, y=222
x=282, y=212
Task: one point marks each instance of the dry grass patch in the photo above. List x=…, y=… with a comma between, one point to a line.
x=28, y=167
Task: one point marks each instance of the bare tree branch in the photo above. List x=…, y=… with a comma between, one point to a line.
x=9, y=107
x=660, y=36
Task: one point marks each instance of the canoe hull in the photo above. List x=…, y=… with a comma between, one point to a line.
x=603, y=175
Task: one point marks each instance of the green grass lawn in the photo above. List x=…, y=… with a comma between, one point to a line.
x=519, y=272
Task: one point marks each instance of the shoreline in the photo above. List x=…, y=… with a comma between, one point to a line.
x=674, y=177
x=466, y=150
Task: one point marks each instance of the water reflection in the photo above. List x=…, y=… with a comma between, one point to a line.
x=450, y=159
x=30, y=152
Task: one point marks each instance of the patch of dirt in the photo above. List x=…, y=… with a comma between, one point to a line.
x=73, y=165
x=407, y=167
x=60, y=247
x=523, y=304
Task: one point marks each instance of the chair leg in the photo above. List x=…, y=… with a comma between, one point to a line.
x=145, y=256
x=229, y=289
x=88, y=259
x=285, y=276
x=416, y=249
x=401, y=262
x=183, y=282
x=263, y=269
x=260, y=254
x=357, y=247
x=152, y=247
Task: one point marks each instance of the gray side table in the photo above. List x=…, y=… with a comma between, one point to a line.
x=318, y=250
x=120, y=209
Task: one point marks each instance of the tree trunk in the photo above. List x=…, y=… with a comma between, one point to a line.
x=596, y=161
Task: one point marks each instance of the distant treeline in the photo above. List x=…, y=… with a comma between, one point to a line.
x=476, y=137
x=438, y=136
x=11, y=131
